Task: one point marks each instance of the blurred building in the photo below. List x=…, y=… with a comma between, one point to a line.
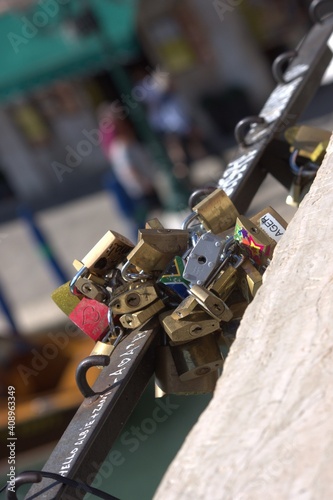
x=60, y=60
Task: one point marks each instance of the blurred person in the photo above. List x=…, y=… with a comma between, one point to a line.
x=171, y=120
x=133, y=176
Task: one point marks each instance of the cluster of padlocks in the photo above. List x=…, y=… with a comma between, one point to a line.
x=198, y=280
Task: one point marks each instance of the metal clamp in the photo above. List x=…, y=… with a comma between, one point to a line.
x=81, y=373
x=314, y=10
x=277, y=67
x=243, y=127
x=23, y=478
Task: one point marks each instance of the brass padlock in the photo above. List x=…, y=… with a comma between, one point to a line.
x=104, y=348
x=184, y=330
x=108, y=252
x=186, y=308
x=214, y=306
x=216, y=212
x=138, y=318
x=167, y=380
x=137, y=297
x=154, y=224
x=250, y=279
x=197, y=358
x=157, y=247
x=253, y=240
x=311, y=142
x=271, y=222
x=91, y=289
x=225, y=282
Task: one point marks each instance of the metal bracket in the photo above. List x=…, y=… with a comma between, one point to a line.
x=245, y=173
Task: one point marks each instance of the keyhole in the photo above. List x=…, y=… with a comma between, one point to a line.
x=202, y=259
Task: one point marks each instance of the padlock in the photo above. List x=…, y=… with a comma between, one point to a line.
x=167, y=380
x=197, y=358
x=108, y=252
x=271, y=222
x=138, y=296
x=64, y=299
x=186, y=308
x=311, y=142
x=102, y=348
x=253, y=240
x=184, y=330
x=157, y=247
x=138, y=318
x=172, y=280
x=216, y=212
x=91, y=289
x=214, y=306
x=91, y=317
x=154, y=224
x=224, y=283
x=203, y=259
x=250, y=279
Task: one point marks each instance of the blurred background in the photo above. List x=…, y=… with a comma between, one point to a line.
x=83, y=83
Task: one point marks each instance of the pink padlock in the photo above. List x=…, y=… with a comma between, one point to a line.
x=91, y=317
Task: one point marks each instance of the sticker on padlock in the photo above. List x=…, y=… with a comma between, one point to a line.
x=137, y=297
x=253, y=240
x=108, y=252
x=184, y=330
x=203, y=259
x=216, y=212
x=173, y=278
x=167, y=380
x=157, y=247
x=197, y=358
x=137, y=319
x=271, y=222
x=64, y=299
x=214, y=306
x=91, y=317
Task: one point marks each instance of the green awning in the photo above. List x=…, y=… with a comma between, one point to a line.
x=40, y=45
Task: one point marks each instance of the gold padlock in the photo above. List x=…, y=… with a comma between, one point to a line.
x=184, y=330
x=250, y=279
x=108, y=252
x=225, y=283
x=91, y=289
x=186, y=308
x=104, y=348
x=311, y=142
x=167, y=380
x=216, y=212
x=271, y=222
x=214, y=306
x=197, y=358
x=153, y=224
x=137, y=297
x=157, y=247
x=138, y=318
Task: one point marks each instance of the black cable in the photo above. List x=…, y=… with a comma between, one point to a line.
x=72, y=483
